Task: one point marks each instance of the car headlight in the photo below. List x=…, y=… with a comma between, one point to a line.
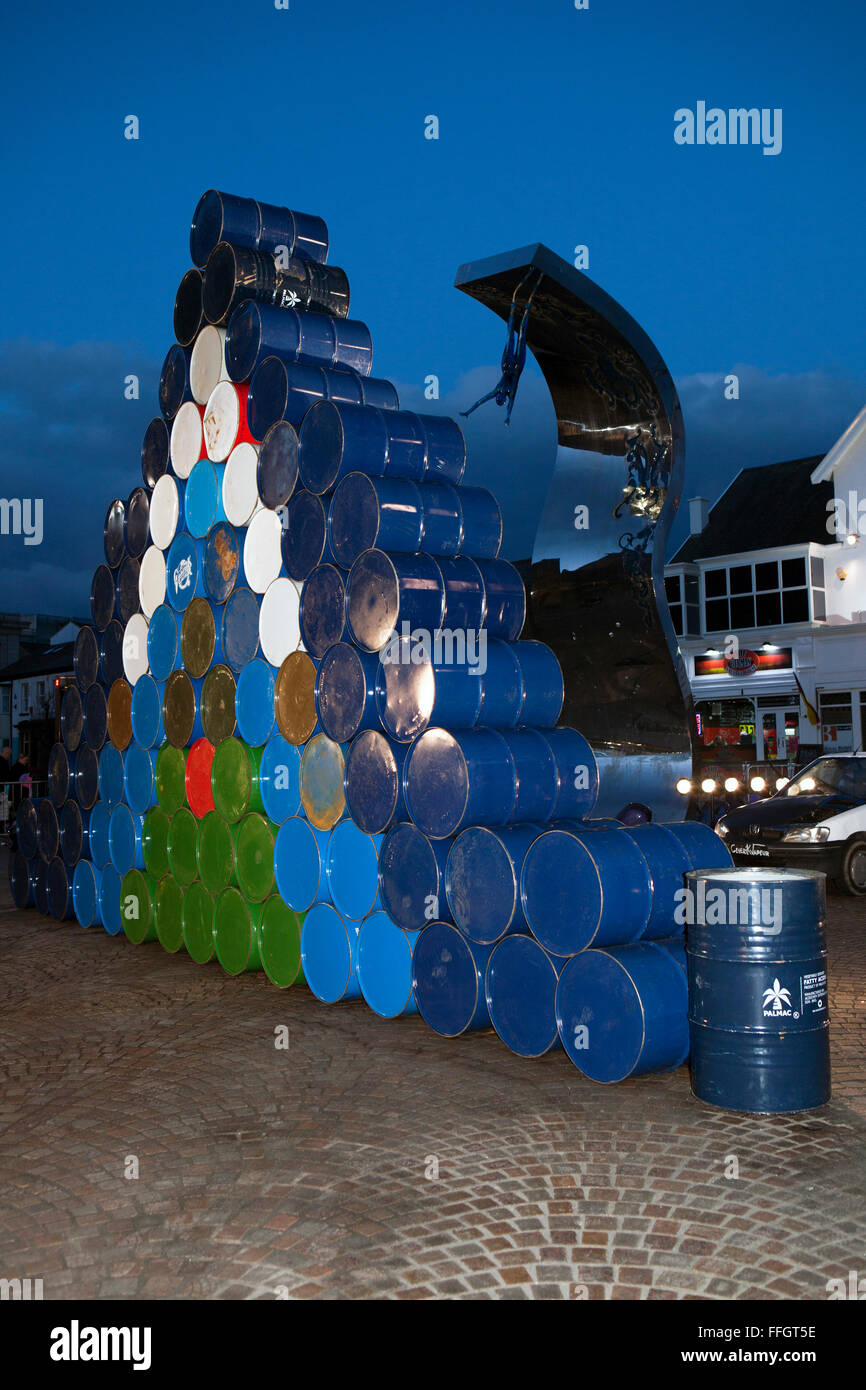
x=808, y=835
x=722, y=829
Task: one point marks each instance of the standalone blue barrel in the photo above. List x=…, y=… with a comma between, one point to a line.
x=155, y=452
x=385, y=966
x=124, y=840
x=279, y=780
x=73, y=825
x=85, y=659
x=384, y=592
x=86, y=884
x=240, y=628
x=412, y=877
x=60, y=903
x=305, y=541
x=703, y=846
x=520, y=986
x=374, y=513
x=86, y=777
x=585, y=888
x=482, y=881
x=277, y=465
x=223, y=562
x=374, y=781
x=448, y=979
x=254, y=703
x=352, y=870
x=757, y=967
x=329, y=954
x=111, y=788
x=668, y=863
x=453, y=780
x=174, y=387
x=622, y=1012
x=109, y=900
x=346, y=692
x=148, y=729
x=323, y=610
x=300, y=858
x=21, y=882
x=139, y=770
x=97, y=834
x=256, y=331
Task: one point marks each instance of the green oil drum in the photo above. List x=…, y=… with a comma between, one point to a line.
x=254, y=857
x=215, y=853
x=170, y=778
x=279, y=937
x=136, y=907
x=168, y=904
x=154, y=842
x=182, y=846
x=235, y=779
x=234, y=931
x=198, y=923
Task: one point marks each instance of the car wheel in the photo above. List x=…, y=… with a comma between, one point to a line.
x=852, y=876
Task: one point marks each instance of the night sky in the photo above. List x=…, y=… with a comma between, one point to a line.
x=556, y=125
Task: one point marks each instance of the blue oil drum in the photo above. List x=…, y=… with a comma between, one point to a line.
x=377, y=392
x=329, y=954
x=668, y=862
x=20, y=882
x=163, y=643
x=520, y=988
x=286, y=391
x=300, y=857
x=323, y=610
x=481, y=535
x=279, y=780
x=385, y=591
x=73, y=826
x=505, y=598
x=95, y=717
x=704, y=847
x=482, y=881
x=256, y=331
x=444, y=449
x=502, y=685
x=109, y=900
x=412, y=877
x=323, y=770
x=338, y=439
x=577, y=773
x=86, y=777
x=543, y=686
x=240, y=628
x=374, y=781
x=385, y=966
x=39, y=879
x=124, y=840
x=85, y=659
x=305, y=541
x=535, y=776
x=277, y=465
x=254, y=703
x=441, y=519
x=448, y=979
x=114, y=533
x=111, y=788
x=97, y=835
x=223, y=562
x=137, y=522
x=111, y=654
x=26, y=827
x=139, y=772
x=148, y=729
x=102, y=596
x=86, y=883
x=155, y=452
x=202, y=498
x=352, y=870
x=302, y=233
x=188, y=313
x=453, y=780
x=260, y=226
x=621, y=1012
x=374, y=513
x=184, y=571
x=346, y=692
x=174, y=385
x=60, y=892
x=412, y=694
x=585, y=888
x=127, y=597
x=464, y=597
x=59, y=775
x=757, y=968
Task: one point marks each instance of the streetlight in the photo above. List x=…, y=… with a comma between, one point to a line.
x=731, y=784
x=758, y=784
x=708, y=785
x=684, y=786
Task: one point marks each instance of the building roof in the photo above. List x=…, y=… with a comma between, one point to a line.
x=764, y=508
x=847, y=447
x=44, y=661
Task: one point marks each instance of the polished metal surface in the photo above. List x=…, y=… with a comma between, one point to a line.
x=596, y=589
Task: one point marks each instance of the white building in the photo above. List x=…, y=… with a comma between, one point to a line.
x=768, y=597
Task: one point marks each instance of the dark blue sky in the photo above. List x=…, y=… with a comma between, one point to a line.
x=555, y=125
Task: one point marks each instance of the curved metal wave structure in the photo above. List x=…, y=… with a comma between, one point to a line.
x=596, y=590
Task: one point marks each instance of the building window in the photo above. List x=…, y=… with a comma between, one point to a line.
x=726, y=724
x=673, y=594
x=765, y=594
x=4, y=700
x=834, y=707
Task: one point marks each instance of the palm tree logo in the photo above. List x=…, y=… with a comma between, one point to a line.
x=776, y=996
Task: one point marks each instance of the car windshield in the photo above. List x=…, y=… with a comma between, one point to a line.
x=831, y=777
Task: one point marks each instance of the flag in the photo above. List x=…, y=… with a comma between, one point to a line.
x=810, y=709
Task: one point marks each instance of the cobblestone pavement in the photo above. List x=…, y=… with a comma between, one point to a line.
x=376, y=1160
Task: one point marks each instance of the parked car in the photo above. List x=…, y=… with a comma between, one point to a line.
x=816, y=821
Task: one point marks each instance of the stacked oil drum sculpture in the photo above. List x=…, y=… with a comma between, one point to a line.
x=305, y=735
